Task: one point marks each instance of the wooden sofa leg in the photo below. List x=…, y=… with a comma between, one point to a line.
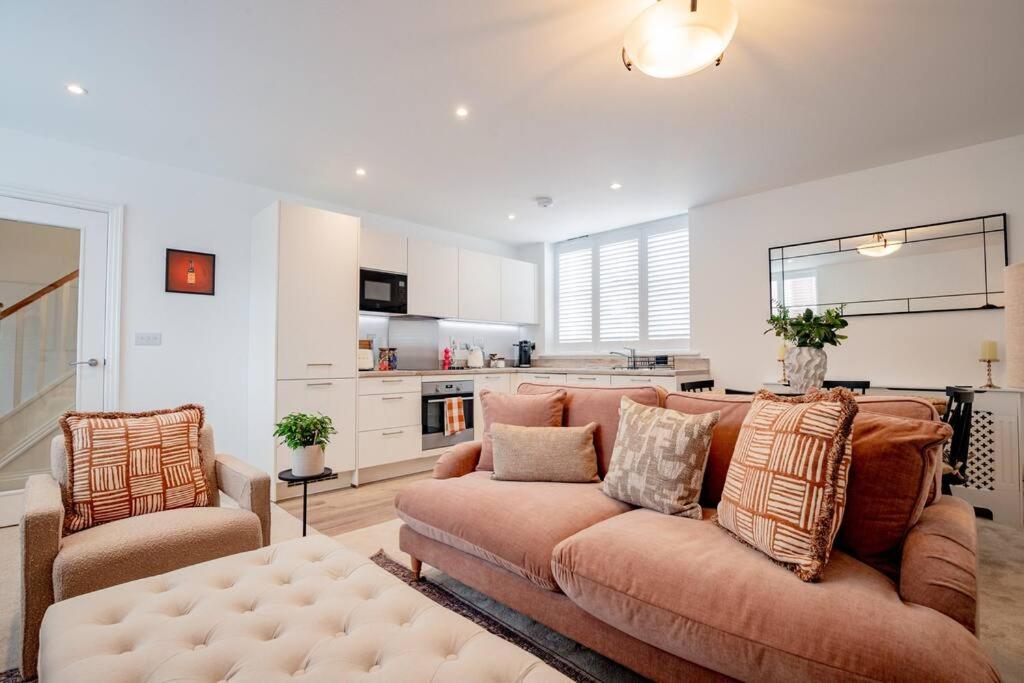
x=417, y=566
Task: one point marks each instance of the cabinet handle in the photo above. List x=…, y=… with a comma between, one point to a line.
x=397, y=431
x=643, y=379
x=319, y=384
x=542, y=376
x=586, y=379
x=392, y=398
x=308, y=365
x=389, y=381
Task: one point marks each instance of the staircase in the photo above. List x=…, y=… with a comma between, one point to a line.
x=38, y=338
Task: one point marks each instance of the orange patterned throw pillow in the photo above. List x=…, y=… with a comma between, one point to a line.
x=125, y=464
x=786, y=487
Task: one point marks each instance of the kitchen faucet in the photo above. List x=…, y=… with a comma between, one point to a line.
x=631, y=357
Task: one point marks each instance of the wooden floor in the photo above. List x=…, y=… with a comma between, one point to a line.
x=336, y=512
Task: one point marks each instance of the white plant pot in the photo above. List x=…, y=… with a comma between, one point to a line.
x=308, y=461
x=806, y=368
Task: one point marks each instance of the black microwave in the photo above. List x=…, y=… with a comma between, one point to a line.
x=381, y=292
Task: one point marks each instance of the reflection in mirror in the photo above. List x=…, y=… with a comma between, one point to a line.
x=949, y=266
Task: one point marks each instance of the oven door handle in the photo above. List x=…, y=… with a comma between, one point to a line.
x=442, y=400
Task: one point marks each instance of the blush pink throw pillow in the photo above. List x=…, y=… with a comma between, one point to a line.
x=539, y=410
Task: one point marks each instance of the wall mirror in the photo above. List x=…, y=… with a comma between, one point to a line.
x=951, y=266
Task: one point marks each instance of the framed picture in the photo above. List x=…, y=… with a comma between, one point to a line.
x=190, y=272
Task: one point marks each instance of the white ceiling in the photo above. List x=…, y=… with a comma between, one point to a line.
x=295, y=95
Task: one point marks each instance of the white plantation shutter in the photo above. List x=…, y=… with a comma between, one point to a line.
x=801, y=292
x=668, y=285
x=575, y=296
x=619, y=291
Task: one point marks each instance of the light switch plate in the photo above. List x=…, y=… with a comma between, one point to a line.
x=148, y=339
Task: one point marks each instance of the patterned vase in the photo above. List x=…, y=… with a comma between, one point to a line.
x=806, y=367
x=308, y=461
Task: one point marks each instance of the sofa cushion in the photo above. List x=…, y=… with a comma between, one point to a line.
x=125, y=464
x=686, y=587
x=894, y=465
x=137, y=547
x=522, y=411
x=544, y=453
x=512, y=524
x=600, y=405
x=734, y=408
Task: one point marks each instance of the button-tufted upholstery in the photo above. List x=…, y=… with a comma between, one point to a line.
x=307, y=609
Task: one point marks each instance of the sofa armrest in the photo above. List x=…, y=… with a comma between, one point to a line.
x=940, y=561
x=42, y=526
x=246, y=485
x=459, y=461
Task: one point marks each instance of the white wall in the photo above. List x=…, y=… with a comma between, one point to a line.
x=204, y=353
x=729, y=244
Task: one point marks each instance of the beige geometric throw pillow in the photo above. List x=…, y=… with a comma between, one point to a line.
x=659, y=457
x=786, y=486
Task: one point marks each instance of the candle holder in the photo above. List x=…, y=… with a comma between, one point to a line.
x=784, y=379
x=988, y=372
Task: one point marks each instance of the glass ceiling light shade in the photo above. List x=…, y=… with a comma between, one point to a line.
x=675, y=38
x=880, y=246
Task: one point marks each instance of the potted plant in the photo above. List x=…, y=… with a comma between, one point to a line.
x=307, y=435
x=806, y=361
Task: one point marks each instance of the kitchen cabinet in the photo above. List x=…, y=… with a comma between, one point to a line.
x=588, y=380
x=536, y=378
x=499, y=383
x=389, y=385
x=667, y=383
x=518, y=292
x=333, y=398
x=386, y=446
x=381, y=411
x=433, y=279
x=479, y=286
x=379, y=250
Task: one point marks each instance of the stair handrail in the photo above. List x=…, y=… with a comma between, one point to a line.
x=37, y=295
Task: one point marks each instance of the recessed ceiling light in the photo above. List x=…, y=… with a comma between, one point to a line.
x=76, y=89
x=360, y=171
x=511, y=216
x=616, y=186
x=461, y=112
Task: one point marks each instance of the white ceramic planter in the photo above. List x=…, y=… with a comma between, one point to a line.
x=308, y=461
x=806, y=368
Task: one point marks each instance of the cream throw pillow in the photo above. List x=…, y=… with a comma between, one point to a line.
x=659, y=457
x=563, y=454
x=786, y=487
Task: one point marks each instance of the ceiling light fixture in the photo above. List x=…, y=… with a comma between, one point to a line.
x=616, y=186
x=360, y=171
x=461, y=112
x=511, y=216
x=76, y=89
x=675, y=38
x=880, y=246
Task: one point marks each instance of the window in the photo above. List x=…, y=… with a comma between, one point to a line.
x=627, y=287
x=800, y=291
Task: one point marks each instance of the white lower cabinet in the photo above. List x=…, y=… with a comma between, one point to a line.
x=381, y=411
x=385, y=446
x=537, y=378
x=335, y=398
x=588, y=380
x=499, y=383
x=667, y=383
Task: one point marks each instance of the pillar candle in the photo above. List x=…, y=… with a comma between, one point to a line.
x=988, y=350
x=782, y=352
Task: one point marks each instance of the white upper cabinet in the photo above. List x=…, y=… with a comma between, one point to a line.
x=317, y=293
x=518, y=292
x=380, y=250
x=479, y=286
x=433, y=279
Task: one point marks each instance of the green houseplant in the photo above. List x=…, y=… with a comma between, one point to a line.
x=809, y=333
x=307, y=436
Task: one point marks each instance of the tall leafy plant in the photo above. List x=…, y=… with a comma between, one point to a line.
x=299, y=430
x=808, y=329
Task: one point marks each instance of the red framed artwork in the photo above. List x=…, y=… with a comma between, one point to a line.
x=190, y=272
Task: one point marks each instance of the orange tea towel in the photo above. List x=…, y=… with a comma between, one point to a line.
x=454, y=416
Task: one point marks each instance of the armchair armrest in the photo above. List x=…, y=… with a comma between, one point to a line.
x=940, y=561
x=459, y=461
x=246, y=485
x=42, y=526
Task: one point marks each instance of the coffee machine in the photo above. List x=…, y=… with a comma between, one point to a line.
x=524, y=349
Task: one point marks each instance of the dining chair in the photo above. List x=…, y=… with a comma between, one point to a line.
x=958, y=415
x=698, y=385
x=739, y=392
x=861, y=385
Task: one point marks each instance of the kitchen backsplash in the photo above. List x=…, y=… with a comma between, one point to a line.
x=492, y=338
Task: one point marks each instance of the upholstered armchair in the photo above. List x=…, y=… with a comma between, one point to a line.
x=56, y=566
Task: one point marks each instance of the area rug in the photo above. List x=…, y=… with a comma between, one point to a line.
x=566, y=656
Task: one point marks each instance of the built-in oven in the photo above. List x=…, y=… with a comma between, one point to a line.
x=434, y=395
x=381, y=292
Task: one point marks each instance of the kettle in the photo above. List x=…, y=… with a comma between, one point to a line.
x=476, y=358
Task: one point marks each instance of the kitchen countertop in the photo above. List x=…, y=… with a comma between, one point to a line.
x=656, y=372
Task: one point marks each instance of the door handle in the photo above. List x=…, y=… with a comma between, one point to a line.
x=398, y=431
x=387, y=381
x=319, y=384
x=309, y=365
x=92, y=362
x=393, y=398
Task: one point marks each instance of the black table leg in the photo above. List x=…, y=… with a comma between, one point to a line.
x=305, y=497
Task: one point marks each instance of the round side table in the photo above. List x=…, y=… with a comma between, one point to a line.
x=288, y=476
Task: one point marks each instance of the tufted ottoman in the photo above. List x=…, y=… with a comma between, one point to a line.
x=306, y=610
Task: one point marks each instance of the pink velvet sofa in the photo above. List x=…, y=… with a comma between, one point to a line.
x=678, y=599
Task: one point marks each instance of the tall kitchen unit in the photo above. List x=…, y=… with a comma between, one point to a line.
x=303, y=331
